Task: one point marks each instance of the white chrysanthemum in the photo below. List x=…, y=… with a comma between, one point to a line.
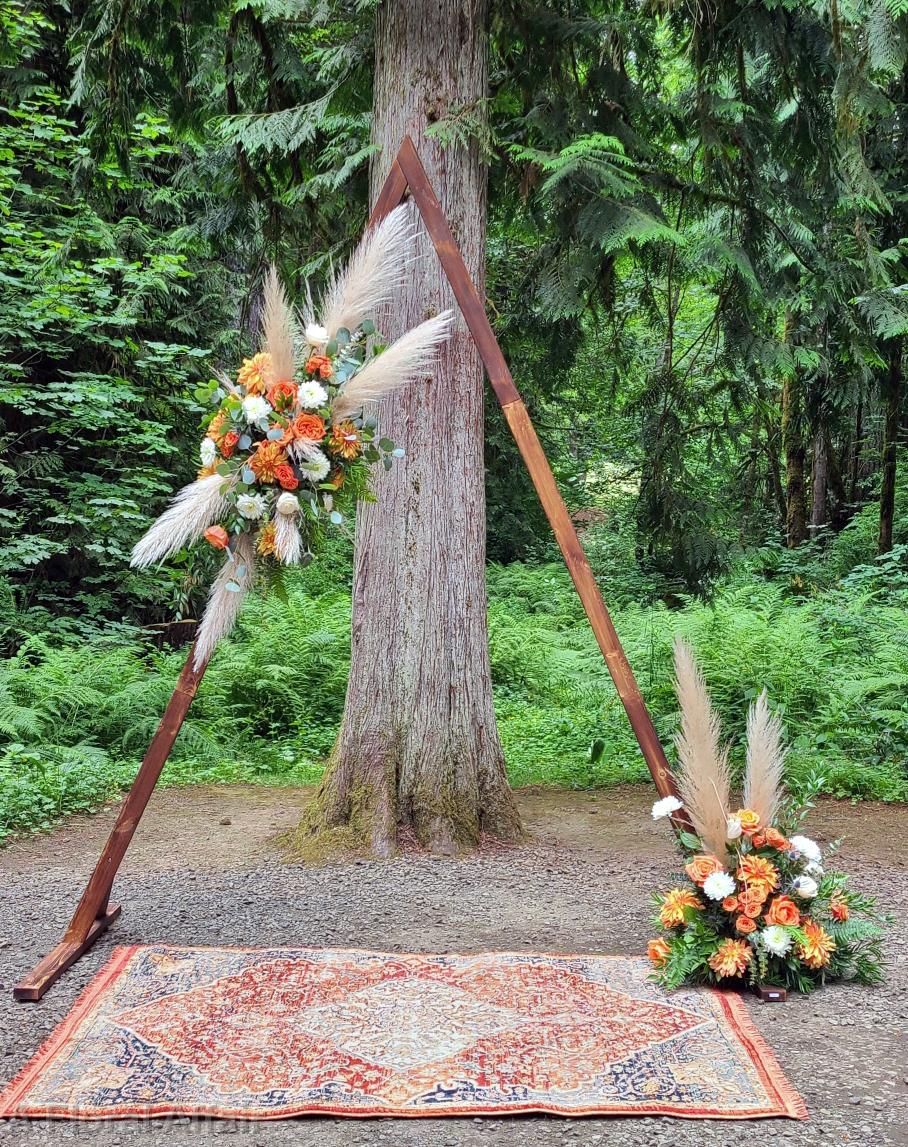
x=316, y=335
x=255, y=408
x=666, y=807
x=718, y=885
x=208, y=451
x=315, y=465
x=287, y=504
x=776, y=939
x=250, y=506
x=311, y=395
x=805, y=887
x=808, y=848
x=733, y=828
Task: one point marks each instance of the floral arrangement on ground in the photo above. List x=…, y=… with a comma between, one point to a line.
x=289, y=448
x=758, y=902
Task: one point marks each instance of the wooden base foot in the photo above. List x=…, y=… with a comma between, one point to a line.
x=771, y=995
x=33, y=986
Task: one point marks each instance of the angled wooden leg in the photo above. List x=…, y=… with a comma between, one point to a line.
x=94, y=915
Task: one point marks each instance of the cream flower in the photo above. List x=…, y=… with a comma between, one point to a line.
x=311, y=395
x=718, y=885
x=666, y=807
x=733, y=828
x=776, y=939
x=808, y=848
x=255, y=408
x=208, y=451
x=316, y=334
x=287, y=504
x=315, y=465
x=805, y=887
x=250, y=506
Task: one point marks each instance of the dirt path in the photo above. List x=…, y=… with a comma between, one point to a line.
x=203, y=869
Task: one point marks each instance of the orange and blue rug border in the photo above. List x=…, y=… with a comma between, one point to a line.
x=780, y=1098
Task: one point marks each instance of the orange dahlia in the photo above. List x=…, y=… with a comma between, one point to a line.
x=699, y=867
x=265, y=461
x=731, y=958
x=216, y=426
x=346, y=440
x=818, y=946
x=758, y=872
x=676, y=904
x=658, y=952
x=207, y=471
x=265, y=543
x=783, y=910
x=255, y=373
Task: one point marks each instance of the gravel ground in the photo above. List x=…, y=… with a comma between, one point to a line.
x=582, y=884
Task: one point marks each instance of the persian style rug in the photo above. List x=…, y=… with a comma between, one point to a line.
x=255, y=1034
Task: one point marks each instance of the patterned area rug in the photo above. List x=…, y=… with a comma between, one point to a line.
x=255, y=1034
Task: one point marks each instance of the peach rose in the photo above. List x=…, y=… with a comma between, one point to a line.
x=730, y=904
x=699, y=867
x=745, y=925
x=783, y=910
x=658, y=952
x=750, y=820
x=216, y=536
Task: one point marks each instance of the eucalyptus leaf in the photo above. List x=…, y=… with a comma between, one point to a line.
x=233, y=586
x=248, y=475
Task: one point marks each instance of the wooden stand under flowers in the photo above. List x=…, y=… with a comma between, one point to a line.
x=94, y=914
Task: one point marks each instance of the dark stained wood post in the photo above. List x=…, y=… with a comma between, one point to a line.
x=93, y=914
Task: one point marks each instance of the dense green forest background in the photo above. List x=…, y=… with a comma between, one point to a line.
x=698, y=270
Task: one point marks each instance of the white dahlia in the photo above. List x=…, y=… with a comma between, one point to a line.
x=776, y=939
x=315, y=465
x=255, y=408
x=718, y=885
x=311, y=395
x=250, y=506
x=808, y=848
x=208, y=451
x=666, y=807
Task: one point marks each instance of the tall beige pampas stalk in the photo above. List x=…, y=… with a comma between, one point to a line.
x=278, y=334
x=765, y=761
x=704, y=781
x=224, y=604
x=193, y=510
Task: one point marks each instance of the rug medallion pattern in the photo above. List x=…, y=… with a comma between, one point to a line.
x=270, y=1034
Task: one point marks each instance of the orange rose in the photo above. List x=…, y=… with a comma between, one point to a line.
x=783, y=910
x=308, y=426
x=750, y=820
x=282, y=394
x=745, y=925
x=730, y=904
x=699, y=867
x=285, y=476
x=319, y=364
x=658, y=952
x=216, y=536
x=838, y=909
x=758, y=840
x=777, y=840
x=228, y=443
x=750, y=902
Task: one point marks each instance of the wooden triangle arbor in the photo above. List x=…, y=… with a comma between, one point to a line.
x=94, y=913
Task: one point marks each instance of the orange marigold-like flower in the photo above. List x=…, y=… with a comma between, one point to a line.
x=745, y=925
x=730, y=904
x=658, y=952
x=699, y=867
x=285, y=476
x=758, y=872
x=282, y=394
x=346, y=440
x=216, y=426
x=838, y=909
x=319, y=364
x=777, y=840
x=228, y=443
x=783, y=910
x=266, y=459
x=337, y=478
x=818, y=946
x=731, y=958
x=216, y=536
x=675, y=904
x=265, y=543
x=750, y=820
x=207, y=471
x=255, y=373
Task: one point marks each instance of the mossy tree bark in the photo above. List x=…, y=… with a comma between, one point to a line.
x=418, y=752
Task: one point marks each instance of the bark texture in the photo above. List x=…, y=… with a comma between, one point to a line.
x=418, y=752
x=793, y=445
x=892, y=404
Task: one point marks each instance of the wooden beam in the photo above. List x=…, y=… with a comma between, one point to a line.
x=33, y=986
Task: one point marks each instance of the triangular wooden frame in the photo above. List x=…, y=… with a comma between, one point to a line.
x=94, y=913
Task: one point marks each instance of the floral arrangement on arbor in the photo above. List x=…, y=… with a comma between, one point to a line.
x=758, y=903
x=289, y=447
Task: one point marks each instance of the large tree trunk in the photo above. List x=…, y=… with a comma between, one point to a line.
x=892, y=395
x=819, y=482
x=418, y=753
x=793, y=446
